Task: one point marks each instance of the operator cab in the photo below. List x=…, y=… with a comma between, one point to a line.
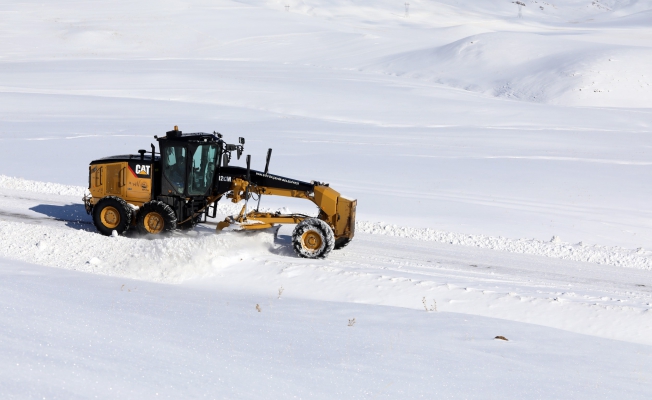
x=189, y=162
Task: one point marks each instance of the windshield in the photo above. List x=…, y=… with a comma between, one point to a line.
x=174, y=167
x=202, y=170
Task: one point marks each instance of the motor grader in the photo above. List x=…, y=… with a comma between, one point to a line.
x=179, y=186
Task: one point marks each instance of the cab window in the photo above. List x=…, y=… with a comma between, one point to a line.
x=174, y=167
x=202, y=169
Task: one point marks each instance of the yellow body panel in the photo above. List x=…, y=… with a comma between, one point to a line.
x=345, y=225
x=326, y=199
x=117, y=179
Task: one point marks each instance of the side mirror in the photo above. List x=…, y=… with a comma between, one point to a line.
x=241, y=140
x=240, y=150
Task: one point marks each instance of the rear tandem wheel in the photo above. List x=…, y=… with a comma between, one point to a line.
x=156, y=217
x=110, y=214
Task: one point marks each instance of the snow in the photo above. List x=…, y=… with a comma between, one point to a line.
x=75, y=214
x=534, y=67
x=12, y=183
x=89, y=336
x=617, y=256
x=499, y=163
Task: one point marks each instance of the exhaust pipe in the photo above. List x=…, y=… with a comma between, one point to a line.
x=248, y=167
x=269, y=156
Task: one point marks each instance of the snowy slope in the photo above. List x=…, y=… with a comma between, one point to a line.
x=87, y=336
x=535, y=67
x=469, y=136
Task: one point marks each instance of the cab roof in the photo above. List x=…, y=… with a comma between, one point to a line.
x=176, y=135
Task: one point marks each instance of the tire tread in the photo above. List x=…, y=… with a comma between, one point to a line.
x=126, y=215
x=169, y=217
x=325, y=231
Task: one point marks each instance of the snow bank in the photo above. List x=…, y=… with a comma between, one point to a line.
x=7, y=182
x=616, y=256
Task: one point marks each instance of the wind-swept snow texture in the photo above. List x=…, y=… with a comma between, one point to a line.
x=85, y=336
x=500, y=155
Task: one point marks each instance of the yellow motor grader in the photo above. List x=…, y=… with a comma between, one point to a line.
x=180, y=185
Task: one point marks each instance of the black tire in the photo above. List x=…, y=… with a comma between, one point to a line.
x=341, y=243
x=110, y=214
x=156, y=218
x=313, y=238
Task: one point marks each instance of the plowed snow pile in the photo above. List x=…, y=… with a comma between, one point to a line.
x=170, y=260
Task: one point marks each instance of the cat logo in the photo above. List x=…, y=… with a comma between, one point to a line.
x=142, y=169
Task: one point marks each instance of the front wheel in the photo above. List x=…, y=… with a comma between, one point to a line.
x=313, y=238
x=156, y=217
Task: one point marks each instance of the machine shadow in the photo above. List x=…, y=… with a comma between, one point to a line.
x=283, y=246
x=74, y=215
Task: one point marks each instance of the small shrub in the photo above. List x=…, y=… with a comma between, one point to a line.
x=432, y=308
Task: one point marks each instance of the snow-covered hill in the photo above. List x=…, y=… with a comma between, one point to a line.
x=535, y=67
x=469, y=135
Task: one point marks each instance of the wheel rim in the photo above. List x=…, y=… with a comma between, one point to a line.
x=311, y=240
x=153, y=222
x=110, y=217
